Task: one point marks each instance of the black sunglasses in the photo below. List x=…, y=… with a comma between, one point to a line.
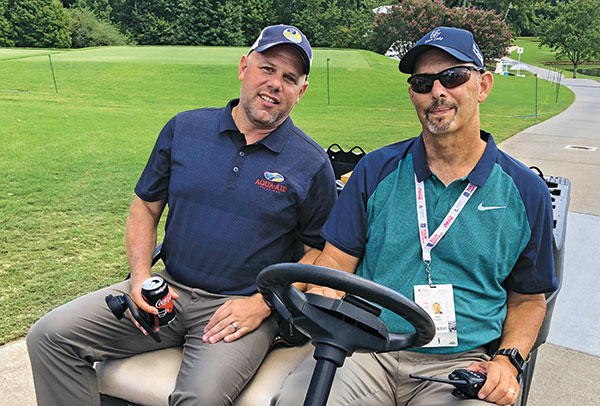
x=449, y=78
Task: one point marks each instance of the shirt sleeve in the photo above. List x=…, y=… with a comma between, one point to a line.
x=153, y=184
x=346, y=227
x=315, y=208
x=534, y=272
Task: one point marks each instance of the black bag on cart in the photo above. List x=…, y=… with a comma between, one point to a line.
x=344, y=161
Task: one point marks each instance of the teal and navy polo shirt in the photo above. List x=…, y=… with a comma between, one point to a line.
x=235, y=208
x=502, y=239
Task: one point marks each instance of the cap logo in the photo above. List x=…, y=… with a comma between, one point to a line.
x=292, y=35
x=478, y=54
x=435, y=36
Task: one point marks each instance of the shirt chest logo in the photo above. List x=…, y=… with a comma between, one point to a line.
x=481, y=207
x=274, y=177
x=272, y=182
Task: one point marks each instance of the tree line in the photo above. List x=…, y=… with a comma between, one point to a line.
x=77, y=23
x=327, y=23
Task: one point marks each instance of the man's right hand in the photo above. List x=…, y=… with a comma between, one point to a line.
x=143, y=306
x=324, y=291
x=138, y=299
x=140, y=241
x=334, y=258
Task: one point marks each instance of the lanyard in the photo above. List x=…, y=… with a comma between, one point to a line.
x=428, y=242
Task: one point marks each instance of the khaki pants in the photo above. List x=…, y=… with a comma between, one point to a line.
x=64, y=344
x=382, y=380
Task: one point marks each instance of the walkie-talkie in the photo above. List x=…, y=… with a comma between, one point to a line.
x=467, y=382
x=119, y=305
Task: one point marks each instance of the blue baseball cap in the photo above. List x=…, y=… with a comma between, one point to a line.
x=284, y=34
x=457, y=42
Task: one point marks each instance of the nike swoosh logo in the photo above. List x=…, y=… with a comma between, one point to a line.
x=481, y=207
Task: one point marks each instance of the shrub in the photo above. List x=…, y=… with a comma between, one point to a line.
x=88, y=31
x=39, y=23
x=490, y=31
x=408, y=21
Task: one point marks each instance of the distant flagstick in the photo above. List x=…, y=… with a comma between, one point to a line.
x=53, y=77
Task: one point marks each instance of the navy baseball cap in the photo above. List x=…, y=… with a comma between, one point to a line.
x=457, y=42
x=284, y=34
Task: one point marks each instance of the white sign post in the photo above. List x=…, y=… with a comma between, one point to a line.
x=519, y=51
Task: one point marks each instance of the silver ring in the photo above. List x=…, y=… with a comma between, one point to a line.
x=236, y=327
x=511, y=390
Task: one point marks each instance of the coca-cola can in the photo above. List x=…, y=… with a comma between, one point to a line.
x=156, y=293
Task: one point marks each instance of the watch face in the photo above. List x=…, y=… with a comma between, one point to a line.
x=515, y=357
x=515, y=353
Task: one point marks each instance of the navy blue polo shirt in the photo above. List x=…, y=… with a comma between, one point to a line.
x=235, y=208
x=501, y=240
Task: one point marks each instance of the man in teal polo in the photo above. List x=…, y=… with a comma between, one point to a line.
x=445, y=218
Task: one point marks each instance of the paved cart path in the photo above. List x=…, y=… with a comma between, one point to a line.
x=568, y=145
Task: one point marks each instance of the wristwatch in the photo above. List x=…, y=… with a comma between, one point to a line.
x=514, y=356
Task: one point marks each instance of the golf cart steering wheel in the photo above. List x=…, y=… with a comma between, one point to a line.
x=340, y=327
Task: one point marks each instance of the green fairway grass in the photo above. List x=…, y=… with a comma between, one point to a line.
x=70, y=160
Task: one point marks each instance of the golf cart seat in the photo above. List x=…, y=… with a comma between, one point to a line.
x=560, y=192
x=133, y=381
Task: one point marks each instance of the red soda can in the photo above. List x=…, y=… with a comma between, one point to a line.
x=155, y=291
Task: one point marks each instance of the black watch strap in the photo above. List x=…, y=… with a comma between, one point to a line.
x=514, y=356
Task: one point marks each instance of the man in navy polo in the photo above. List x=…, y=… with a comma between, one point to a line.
x=452, y=222
x=245, y=189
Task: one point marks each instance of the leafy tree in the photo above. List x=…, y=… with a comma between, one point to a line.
x=410, y=20
x=185, y=22
x=88, y=31
x=574, y=32
x=39, y=23
x=520, y=15
x=211, y=22
x=490, y=32
x=256, y=15
x=102, y=9
x=5, y=26
x=315, y=19
x=355, y=21
x=192, y=21
x=225, y=27
x=406, y=23
x=151, y=21
x=334, y=23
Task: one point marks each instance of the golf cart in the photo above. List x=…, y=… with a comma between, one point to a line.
x=132, y=381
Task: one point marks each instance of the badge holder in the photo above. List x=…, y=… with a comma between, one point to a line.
x=438, y=302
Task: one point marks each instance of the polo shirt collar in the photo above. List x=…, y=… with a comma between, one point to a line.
x=420, y=159
x=478, y=175
x=275, y=141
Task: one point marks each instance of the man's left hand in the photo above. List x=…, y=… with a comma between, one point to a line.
x=236, y=318
x=501, y=386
